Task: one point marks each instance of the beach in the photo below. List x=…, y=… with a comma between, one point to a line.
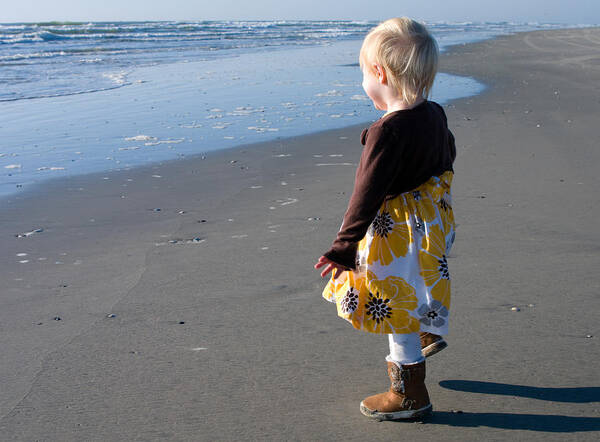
x=177, y=301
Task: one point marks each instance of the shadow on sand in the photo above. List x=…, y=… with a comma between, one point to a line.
x=578, y=395
x=512, y=421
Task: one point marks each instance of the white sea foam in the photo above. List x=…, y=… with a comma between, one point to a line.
x=119, y=78
x=331, y=93
x=140, y=138
x=263, y=129
x=245, y=110
x=155, y=143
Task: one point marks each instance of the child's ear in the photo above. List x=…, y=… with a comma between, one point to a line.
x=380, y=73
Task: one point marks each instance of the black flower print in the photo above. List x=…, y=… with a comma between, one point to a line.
x=416, y=195
x=349, y=301
x=378, y=308
x=433, y=314
x=443, y=268
x=382, y=224
x=445, y=202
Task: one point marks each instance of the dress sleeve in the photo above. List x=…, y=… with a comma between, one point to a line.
x=377, y=168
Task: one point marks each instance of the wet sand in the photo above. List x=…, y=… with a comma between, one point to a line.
x=178, y=301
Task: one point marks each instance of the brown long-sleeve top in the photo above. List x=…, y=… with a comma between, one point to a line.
x=402, y=150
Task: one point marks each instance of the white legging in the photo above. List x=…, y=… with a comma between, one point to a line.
x=404, y=349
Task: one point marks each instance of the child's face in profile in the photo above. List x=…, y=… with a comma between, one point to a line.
x=373, y=86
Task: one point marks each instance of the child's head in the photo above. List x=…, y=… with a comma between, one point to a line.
x=407, y=53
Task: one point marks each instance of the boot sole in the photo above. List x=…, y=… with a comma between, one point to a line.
x=434, y=348
x=396, y=415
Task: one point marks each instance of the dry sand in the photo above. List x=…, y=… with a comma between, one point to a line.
x=220, y=331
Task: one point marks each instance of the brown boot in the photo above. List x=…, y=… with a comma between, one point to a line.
x=406, y=399
x=431, y=344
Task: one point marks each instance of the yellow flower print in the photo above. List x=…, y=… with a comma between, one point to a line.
x=434, y=266
x=386, y=306
x=391, y=237
x=362, y=244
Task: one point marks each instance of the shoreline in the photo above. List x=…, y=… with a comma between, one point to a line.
x=35, y=186
x=39, y=181
x=217, y=310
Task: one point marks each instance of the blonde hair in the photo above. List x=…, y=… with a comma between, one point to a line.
x=408, y=54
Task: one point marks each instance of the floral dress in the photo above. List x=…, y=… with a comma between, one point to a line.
x=401, y=283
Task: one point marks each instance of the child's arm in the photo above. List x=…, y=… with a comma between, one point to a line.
x=379, y=165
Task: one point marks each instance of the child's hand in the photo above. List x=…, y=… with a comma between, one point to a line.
x=339, y=269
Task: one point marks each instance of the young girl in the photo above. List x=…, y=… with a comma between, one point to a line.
x=390, y=274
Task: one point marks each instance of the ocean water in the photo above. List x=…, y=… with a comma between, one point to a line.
x=88, y=97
